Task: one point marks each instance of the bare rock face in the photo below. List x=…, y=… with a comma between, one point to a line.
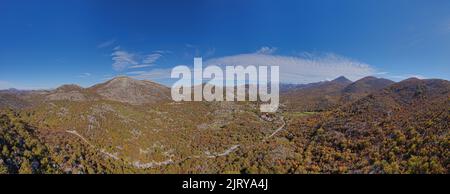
x=128, y=90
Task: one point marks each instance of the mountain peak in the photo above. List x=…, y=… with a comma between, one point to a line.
x=411, y=79
x=368, y=78
x=373, y=79
x=133, y=91
x=366, y=85
x=342, y=79
x=122, y=77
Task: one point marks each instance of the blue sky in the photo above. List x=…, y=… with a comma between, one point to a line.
x=44, y=44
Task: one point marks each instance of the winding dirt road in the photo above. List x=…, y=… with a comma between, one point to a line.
x=137, y=164
x=279, y=128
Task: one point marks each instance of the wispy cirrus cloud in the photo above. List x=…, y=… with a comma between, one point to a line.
x=123, y=59
x=266, y=50
x=151, y=58
x=139, y=66
x=83, y=75
x=163, y=51
x=106, y=43
x=305, y=68
x=128, y=60
x=301, y=69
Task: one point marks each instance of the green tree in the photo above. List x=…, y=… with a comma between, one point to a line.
x=25, y=168
x=3, y=169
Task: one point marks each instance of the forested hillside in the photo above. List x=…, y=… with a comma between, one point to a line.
x=372, y=126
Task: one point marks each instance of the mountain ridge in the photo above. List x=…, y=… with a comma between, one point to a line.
x=400, y=128
x=327, y=95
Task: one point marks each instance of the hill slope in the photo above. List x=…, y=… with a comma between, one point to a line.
x=328, y=95
x=383, y=127
x=401, y=129
x=128, y=90
x=316, y=96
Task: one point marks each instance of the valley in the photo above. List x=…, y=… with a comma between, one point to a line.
x=124, y=125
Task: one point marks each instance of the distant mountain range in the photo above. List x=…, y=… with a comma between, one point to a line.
x=121, y=89
x=316, y=96
x=330, y=94
x=128, y=90
x=372, y=125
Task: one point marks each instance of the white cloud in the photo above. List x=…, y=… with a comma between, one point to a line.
x=306, y=68
x=163, y=51
x=295, y=69
x=85, y=75
x=123, y=59
x=139, y=66
x=106, y=43
x=266, y=50
x=127, y=60
x=151, y=58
